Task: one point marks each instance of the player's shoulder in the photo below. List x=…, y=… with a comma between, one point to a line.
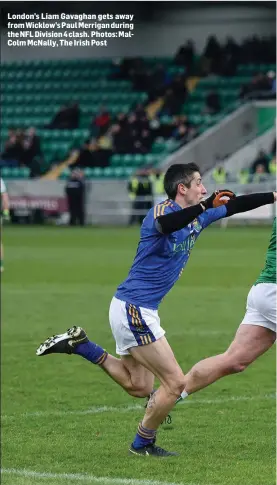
x=163, y=208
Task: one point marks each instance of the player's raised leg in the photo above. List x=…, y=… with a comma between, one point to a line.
x=129, y=374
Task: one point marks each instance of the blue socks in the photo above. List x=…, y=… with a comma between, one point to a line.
x=92, y=352
x=144, y=437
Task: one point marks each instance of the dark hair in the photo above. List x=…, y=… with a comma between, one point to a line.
x=180, y=173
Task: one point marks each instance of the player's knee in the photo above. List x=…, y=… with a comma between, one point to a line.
x=238, y=366
x=176, y=384
x=235, y=365
x=143, y=391
x=139, y=388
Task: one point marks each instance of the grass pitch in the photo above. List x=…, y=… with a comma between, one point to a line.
x=64, y=421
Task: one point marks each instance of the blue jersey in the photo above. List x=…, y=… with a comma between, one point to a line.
x=160, y=259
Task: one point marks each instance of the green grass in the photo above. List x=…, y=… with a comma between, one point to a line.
x=57, y=277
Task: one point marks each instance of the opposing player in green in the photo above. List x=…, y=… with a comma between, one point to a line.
x=255, y=335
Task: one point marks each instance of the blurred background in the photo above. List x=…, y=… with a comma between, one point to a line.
x=88, y=132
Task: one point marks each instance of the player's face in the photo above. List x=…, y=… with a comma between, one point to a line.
x=196, y=192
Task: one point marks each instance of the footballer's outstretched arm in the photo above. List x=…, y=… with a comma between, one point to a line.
x=175, y=221
x=245, y=203
x=168, y=223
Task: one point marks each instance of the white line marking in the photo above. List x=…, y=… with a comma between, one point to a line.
x=133, y=407
x=88, y=478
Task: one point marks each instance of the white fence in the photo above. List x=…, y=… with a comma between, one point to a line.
x=108, y=202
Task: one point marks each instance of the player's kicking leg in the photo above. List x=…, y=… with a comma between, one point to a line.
x=129, y=374
x=135, y=374
x=137, y=332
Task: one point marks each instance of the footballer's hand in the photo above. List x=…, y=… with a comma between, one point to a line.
x=219, y=197
x=222, y=197
x=275, y=196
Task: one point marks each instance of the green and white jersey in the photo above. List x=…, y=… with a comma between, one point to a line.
x=268, y=274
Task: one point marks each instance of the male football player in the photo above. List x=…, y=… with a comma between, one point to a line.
x=168, y=234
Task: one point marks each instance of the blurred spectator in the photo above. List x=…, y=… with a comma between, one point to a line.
x=123, y=67
x=121, y=120
x=181, y=134
x=260, y=174
x=75, y=193
x=213, y=54
x=146, y=140
x=224, y=59
x=31, y=145
x=258, y=50
x=262, y=159
x=230, y=57
x=132, y=191
x=157, y=179
x=171, y=104
x=272, y=166
x=179, y=88
x=85, y=158
x=101, y=122
x=156, y=82
x=121, y=143
x=138, y=148
x=219, y=175
x=213, y=105
x=105, y=142
x=32, y=155
x=67, y=118
x=13, y=153
x=139, y=111
x=243, y=176
x=185, y=56
x=141, y=195
x=134, y=69
x=170, y=129
x=261, y=87
x=133, y=126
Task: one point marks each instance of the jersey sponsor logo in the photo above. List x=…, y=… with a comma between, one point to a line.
x=185, y=245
